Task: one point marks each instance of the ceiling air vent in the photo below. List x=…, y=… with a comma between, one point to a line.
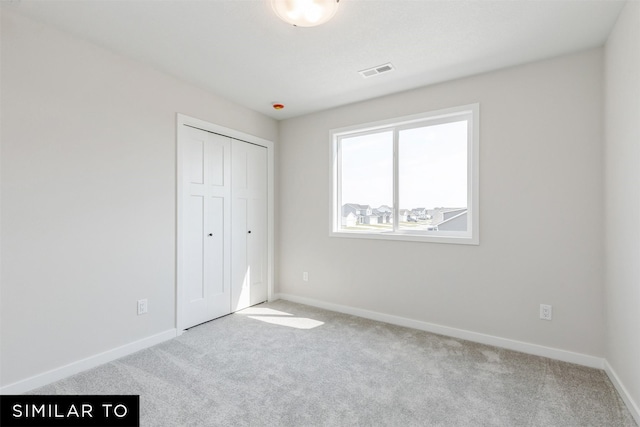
x=378, y=69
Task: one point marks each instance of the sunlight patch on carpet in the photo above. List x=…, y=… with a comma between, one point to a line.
x=263, y=311
x=292, y=322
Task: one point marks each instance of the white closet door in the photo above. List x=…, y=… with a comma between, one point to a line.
x=206, y=204
x=249, y=225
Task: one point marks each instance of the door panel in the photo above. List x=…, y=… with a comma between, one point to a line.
x=206, y=236
x=241, y=272
x=249, y=257
x=216, y=166
x=194, y=261
x=257, y=251
x=257, y=171
x=193, y=155
x=214, y=245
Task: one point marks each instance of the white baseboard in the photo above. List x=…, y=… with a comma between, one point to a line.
x=622, y=391
x=87, y=363
x=523, y=347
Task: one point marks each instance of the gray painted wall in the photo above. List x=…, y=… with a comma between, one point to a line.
x=622, y=200
x=88, y=195
x=540, y=167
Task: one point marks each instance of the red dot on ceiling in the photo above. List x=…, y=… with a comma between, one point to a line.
x=278, y=106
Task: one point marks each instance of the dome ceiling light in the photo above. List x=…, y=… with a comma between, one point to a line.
x=305, y=13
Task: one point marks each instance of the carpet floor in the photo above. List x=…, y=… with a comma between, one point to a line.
x=286, y=364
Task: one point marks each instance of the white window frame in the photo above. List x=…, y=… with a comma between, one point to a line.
x=469, y=237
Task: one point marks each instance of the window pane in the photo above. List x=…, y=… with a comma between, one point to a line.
x=366, y=185
x=432, y=173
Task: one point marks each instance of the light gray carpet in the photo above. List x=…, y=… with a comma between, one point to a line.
x=247, y=370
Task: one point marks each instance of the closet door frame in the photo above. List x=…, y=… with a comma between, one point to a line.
x=182, y=121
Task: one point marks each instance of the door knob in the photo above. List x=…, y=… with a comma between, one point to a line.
x=210, y=234
x=249, y=231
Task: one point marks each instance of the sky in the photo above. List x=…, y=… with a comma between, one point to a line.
x=432, y=167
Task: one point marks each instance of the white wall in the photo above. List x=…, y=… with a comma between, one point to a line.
x=541, y=221
x=622, y=201
x=88, y=195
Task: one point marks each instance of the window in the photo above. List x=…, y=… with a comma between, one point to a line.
x=410, y=178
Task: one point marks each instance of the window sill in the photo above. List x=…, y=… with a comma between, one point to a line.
x=461, y=239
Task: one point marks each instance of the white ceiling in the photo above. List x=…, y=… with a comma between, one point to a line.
x=240, y=50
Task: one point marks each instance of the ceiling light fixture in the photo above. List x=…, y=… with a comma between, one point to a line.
x=305, y=13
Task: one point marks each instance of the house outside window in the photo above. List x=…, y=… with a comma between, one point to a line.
x=408, y=178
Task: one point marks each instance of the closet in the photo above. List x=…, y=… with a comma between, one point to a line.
x=222, y=232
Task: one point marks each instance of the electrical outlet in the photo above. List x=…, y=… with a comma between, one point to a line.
x=546, y=312
x=305, y=276
x=142, y=306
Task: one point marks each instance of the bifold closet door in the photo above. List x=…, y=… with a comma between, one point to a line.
x=249, y=225
x=206, y=226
